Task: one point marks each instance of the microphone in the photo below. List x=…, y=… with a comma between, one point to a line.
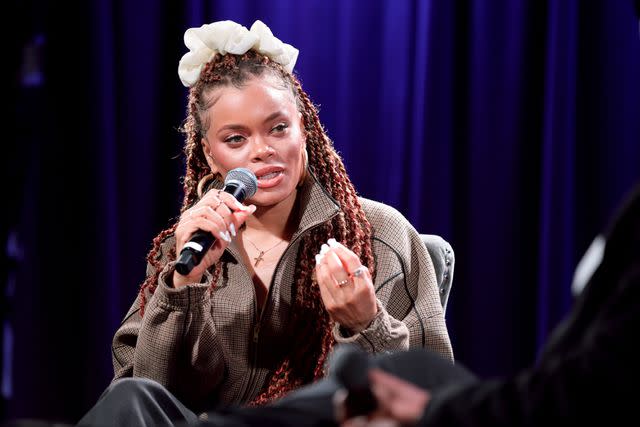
x=241, y=183
x=350, y=366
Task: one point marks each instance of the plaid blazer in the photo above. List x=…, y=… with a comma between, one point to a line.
x=214, y=347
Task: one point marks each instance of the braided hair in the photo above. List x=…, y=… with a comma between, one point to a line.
x=306, y=361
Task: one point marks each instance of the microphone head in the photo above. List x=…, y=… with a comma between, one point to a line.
x=243, y=177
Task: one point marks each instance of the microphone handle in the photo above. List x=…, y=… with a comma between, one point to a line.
x=201, y=241
x=191, y=255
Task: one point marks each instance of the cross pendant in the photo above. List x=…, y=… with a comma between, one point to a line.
x=258, y=259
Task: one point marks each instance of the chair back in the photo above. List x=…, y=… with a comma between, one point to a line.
x=443, y=260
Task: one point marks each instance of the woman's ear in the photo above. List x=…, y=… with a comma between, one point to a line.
x=208, y=156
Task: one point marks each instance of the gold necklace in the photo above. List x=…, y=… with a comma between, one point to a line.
x=260, y=256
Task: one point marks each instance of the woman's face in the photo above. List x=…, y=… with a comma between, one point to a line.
x=257, y=127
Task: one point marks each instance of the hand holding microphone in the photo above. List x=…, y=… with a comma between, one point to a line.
x=215, y=218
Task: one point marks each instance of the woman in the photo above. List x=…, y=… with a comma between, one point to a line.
x=306, y=265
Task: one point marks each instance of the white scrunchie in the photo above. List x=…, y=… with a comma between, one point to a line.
x=230, y=37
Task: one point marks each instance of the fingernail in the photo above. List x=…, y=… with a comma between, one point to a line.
x=332, y=242
x=324, y=249
x=244, y=208
x=319, y=258
x=225, y=236
x=232, y=229
x=252, y=208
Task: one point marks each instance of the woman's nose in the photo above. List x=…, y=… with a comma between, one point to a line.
x=261, y=148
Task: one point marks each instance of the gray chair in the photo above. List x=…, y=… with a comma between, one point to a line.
x=443, y=260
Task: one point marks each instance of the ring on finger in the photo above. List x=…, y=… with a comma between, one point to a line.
x=358, y=272
x=218, y=205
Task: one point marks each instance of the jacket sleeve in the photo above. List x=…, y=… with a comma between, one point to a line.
x=410, y=313
x=172, y=344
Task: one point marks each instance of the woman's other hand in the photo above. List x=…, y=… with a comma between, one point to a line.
x=345, y=287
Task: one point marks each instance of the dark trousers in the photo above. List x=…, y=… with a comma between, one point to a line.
x=142, y=402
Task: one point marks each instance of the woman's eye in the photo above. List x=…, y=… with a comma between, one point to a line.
x=234, y=139
x=281, y=127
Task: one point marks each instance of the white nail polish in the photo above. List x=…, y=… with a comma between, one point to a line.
x=332, y=242
x=318, y=259
x=232, y=229
x=225, y=236
x=324, y=249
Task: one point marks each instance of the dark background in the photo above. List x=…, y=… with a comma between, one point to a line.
x=509, y=127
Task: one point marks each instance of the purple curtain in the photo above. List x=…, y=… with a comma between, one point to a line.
x=510, y=128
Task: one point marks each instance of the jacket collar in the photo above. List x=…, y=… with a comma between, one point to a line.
x=315, y=205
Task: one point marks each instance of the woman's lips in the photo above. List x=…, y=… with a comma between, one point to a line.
x=269, y=179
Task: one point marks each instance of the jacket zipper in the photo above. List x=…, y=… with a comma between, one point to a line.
x=256, y=337
x=254, y=350
x=256, y=327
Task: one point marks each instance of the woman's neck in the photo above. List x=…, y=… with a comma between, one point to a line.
x=275, y=220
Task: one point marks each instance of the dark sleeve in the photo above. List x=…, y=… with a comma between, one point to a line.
x=591, y=382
